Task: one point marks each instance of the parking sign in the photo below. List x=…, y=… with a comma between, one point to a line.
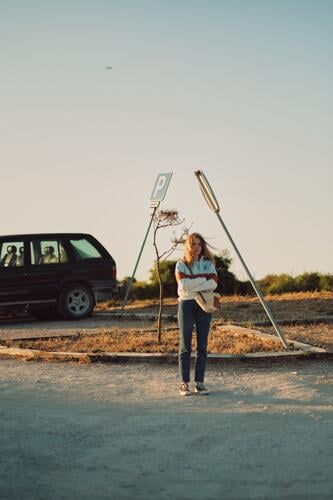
x=158, y=194
x=160, y=188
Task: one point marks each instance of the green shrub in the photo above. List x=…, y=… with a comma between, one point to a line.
x=140, y=290
x=266, y=282
x=227, y=282
x=326, y=282
x=308, y=282
x=167, y=273
x=278, y=283
x=244, y=288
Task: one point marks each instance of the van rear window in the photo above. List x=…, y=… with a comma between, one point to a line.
x=83, y=249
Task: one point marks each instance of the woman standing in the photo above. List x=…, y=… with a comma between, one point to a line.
x=194, y=273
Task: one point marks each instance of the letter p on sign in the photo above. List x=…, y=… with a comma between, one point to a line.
x=160, y=187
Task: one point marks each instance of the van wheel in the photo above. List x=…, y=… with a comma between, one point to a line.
x=75, y=302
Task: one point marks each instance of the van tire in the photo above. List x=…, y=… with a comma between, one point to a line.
x=75, y=302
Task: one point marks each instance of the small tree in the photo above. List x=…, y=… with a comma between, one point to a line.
x=162, y=220
x=227, y=282
x=167, y=274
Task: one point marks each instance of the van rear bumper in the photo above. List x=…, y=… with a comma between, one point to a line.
x=103, y=293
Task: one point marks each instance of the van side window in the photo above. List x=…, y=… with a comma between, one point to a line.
x=84, y=249
x=62, y=254
x=20, y=257
x=45, y=252
x=12, y=254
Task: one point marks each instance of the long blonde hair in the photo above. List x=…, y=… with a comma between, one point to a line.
x=205, y=252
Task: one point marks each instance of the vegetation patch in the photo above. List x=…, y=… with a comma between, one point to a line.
x=222, y=340
x=289, y=307
x=319, y=334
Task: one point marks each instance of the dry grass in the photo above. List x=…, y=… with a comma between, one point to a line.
x=223, y=337
x=237, y=309
x=303, y=306
x=319, y=334
x=222, y=340
x=231, y=342
x=224, y=299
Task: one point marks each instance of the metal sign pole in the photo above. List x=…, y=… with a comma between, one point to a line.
x=214, y=206
x=159, y=191
x=130, y=282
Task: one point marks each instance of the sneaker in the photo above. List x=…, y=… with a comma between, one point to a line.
x=184, y=390
x=201, y=389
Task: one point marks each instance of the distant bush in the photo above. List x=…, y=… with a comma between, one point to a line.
x=326, y=282
x=228, y=284
x=140, y=290
x=277, y=283
x=306, y=282
x=167, y=273
x=243, y=288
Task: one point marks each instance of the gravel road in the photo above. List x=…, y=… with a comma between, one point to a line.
x=121, y=431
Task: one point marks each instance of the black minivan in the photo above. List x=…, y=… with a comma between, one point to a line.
x=64, y=272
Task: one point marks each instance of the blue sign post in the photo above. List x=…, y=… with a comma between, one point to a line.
x=159, y=191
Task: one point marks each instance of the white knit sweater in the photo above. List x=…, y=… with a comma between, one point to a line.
x=202, y=279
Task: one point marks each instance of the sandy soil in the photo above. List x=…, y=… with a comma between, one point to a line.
x=122, y=432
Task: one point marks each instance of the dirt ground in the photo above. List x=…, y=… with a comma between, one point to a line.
x=121, y=431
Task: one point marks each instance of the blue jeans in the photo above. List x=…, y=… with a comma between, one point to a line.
x=190, y=314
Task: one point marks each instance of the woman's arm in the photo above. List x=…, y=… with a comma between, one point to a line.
x=188, y=283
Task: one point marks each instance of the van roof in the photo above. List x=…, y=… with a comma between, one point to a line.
x=43, y=235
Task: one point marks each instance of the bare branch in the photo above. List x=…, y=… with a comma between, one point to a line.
x=163, y=219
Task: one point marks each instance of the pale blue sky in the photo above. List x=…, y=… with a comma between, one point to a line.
x=239, y=89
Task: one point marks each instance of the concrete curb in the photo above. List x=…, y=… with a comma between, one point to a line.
x=116, y=357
